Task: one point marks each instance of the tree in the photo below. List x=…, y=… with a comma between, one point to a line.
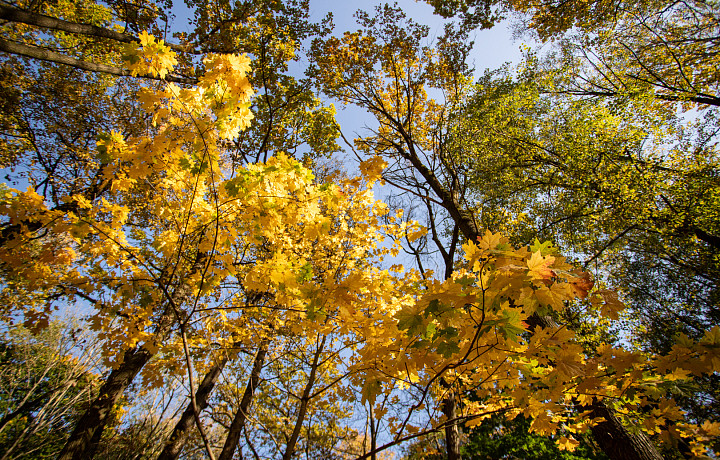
x=193, y=263
x=386, y=70
x=47, y=380
x=296, y=102
x=632, y=178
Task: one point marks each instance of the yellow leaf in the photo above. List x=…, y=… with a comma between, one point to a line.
x=372, y=168
x=569, y=444
x=539, y=266
x=609, y=303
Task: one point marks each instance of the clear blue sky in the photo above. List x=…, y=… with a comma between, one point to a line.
x=492, y=47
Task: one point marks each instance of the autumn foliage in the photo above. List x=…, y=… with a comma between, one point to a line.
x=272, y=289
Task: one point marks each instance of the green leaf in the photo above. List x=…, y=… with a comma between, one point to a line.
x=447, y=348
x=545, y=248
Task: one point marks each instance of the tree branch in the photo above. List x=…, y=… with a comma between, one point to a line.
x=43, y=54
x=11, y=14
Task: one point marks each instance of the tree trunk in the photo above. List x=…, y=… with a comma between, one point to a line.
x=304, y=400
x=617, y=441
x=172, y=448
x=238, y=422
x=12, y=14
x=89, y=427
x=373, y=434
x=452, y=436
x=44, y=54
x=78, y=446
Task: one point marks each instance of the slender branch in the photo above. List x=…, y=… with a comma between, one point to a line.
x=193, y=400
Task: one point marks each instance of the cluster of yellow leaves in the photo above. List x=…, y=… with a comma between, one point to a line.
x=372, y=168
x=475, y=331
x=183, y=228
x=149, y=56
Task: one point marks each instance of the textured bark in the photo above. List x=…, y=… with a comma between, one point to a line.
x=172, y=448
x=44, y=54
x=78, y=446
x=13, y=14
x=617, y=441
x=452, y=436
x=238, y=423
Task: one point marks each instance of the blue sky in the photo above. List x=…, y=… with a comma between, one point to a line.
x=492, y=47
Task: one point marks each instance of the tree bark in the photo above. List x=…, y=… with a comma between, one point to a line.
x=617, y=441
x=452, y=436
x=238, y=423
x=172, y=448
x=304, y=400
x=13, y=14
x=78, y=446
x=44, y=54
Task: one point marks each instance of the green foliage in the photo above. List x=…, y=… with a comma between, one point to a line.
x=45, y=384
x=498, y=439
x=614, y=182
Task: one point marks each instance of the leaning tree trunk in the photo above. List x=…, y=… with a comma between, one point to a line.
x=83, y=442
x=79, y=446
x=238, y=423
x=172, y=448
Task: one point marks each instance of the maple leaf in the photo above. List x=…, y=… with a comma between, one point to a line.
x=568, y=444
x=545, y=248
x=539, y=266
x=372, y=168
x=711, y=337
x=145, y=38
x=608, y=302
x=569, y=362
x=582, y=283
x=491, y=241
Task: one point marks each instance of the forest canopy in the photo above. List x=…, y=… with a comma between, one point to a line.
x=198, y=262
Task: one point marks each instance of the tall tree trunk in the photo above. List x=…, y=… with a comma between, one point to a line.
x=617, y=441
x=92, y=422
x=304, y=401
x=373, y=434
x=238, y=423
x=90, y=426
x=452, y=436
x=172, y=448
